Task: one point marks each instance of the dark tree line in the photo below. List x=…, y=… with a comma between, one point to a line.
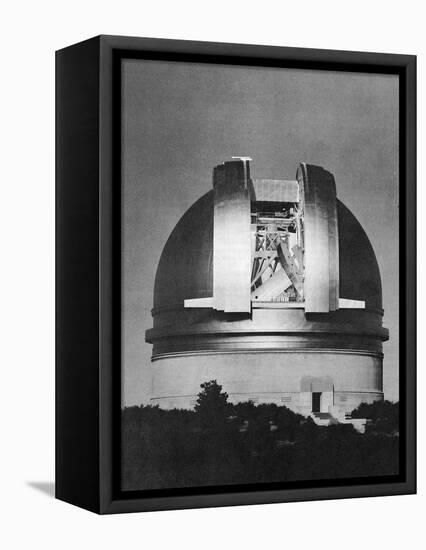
x=219, y=443
x=383, y=417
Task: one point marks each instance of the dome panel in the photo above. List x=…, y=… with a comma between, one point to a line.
x=359, y=270
x=185, y=269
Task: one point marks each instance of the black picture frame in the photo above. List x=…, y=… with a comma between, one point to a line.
x=88, y=272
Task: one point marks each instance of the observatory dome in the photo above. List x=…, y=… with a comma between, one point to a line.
x=186, y=263
x=306, y=331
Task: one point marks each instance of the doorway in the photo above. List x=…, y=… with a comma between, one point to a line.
x=316, y=402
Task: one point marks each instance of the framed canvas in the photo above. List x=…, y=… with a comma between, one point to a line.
x=235, y=274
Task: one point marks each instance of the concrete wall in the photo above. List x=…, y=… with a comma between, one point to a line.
x=344, y=379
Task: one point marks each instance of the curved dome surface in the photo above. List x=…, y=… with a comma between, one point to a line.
x=359, y=270
x=185, y=269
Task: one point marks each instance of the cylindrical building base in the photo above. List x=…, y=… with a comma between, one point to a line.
x=305, y=382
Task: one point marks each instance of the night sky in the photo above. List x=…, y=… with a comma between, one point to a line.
x=182, y=119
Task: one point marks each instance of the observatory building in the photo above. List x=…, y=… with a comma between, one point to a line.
x=272, y=288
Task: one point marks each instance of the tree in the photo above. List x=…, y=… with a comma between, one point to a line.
x=212, y=404
x=383, y=416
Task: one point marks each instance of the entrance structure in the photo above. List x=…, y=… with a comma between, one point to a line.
x=272, y=288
